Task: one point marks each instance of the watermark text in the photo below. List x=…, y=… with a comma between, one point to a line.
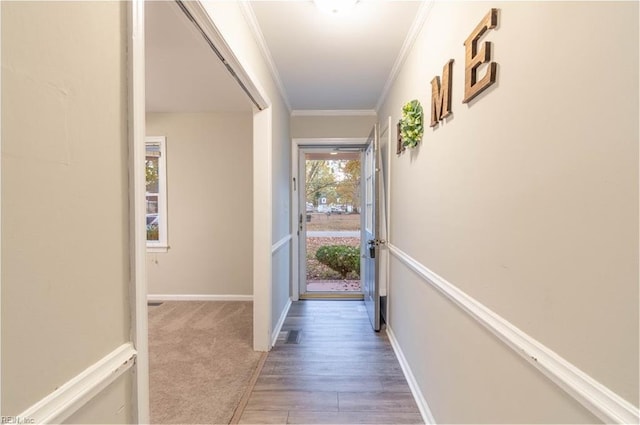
x=16, y=420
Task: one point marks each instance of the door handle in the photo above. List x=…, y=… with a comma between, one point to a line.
x=372, y=247
x=373, y=243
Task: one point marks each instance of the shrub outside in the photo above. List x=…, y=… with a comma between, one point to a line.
x=342, y=258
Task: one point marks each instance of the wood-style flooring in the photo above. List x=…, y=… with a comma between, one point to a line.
x=339, y=372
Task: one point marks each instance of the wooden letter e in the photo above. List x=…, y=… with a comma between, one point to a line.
x=475, y=57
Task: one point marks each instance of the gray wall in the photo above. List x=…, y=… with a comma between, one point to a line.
x=65, y=255
x=281, y=213
x=332, y=126
x=99, y=410
x=526, y=199
x=209, y=193
x=230, y=20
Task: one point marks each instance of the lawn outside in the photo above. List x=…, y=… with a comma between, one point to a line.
x=333, y=222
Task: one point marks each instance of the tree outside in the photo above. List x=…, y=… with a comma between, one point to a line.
x=336, y=181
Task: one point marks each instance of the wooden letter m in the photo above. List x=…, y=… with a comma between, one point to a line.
x=441, y=95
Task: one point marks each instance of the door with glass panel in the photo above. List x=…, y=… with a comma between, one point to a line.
x=370, y=242
x=329, y=221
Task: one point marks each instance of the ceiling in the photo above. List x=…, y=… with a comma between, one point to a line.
x=321, y=61
x=334, y=62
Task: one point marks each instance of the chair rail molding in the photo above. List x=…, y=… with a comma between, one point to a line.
x=594, y=396
x=70, y=397
x=282, y=242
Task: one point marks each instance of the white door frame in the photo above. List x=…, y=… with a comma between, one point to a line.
x=388, y=132
x=298, y=144
x=262, y=199
x=262, y=229
x=137, y=209
x=0, y=214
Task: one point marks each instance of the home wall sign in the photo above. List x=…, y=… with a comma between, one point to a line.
x=474, y=57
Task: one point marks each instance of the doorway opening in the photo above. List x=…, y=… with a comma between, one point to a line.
x=199, y=116
x=330, y=222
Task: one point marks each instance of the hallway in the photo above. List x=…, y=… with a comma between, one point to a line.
x=339, y=371
x=154, y=151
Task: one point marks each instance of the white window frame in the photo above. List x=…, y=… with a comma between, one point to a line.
x=161, y=245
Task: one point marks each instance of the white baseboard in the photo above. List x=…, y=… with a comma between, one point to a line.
x=594, y=396
x=425, y=411
x=70, y=397
x=196, y=297
x=278, y=328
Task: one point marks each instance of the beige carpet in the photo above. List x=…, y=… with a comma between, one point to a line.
x=200, y=360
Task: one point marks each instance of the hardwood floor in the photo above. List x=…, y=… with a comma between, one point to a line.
x=338, y=372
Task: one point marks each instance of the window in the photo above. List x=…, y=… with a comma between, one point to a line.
x=156, y=192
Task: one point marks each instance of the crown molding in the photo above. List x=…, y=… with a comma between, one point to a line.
x=305, y=142
x=409, y=41
x=254, y=26
x=333, y=112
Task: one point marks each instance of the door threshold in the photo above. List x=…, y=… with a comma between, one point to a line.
x=333, y=296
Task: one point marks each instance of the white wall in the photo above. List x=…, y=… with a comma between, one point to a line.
x=526, y=199
x=65, y=229
x=209, y=193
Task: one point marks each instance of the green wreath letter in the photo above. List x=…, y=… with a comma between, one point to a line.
x=411, y=124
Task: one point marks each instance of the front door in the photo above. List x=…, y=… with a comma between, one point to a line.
x=329, y=222
x=369, y=245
